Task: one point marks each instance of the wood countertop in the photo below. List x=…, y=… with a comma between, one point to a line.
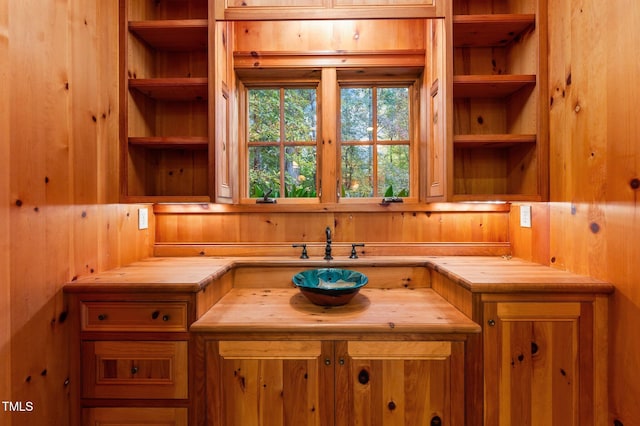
x=481, y=274
x=286, y=310
x=474, y=273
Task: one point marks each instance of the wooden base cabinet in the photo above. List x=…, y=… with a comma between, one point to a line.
x=332, y=382
x=539, y=363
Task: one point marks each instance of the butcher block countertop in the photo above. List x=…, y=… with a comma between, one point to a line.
x=474, y=273
x=286, y=310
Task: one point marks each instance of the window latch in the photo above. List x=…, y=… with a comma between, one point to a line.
x=266, y=199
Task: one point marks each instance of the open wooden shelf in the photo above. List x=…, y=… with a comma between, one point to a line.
x=178, y=35
x=489, y=30
x=493, y=140
x=490, y=86
x=170, y=142
x=175, y=89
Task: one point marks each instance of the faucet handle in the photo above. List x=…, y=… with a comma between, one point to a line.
x=354, y=254
x=304, y=254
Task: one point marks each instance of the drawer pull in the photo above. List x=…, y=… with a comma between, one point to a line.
x=165, y=318
x=155, y=314
x=102, y=317
x=134, y=370
x=492, y=323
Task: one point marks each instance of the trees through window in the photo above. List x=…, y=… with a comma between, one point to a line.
x=373, y=154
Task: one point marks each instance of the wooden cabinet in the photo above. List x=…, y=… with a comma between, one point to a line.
x=538, y=363
x=131, y=350
x=164, y=100
x=322, y=382
x=399, y=383
x=499, y=143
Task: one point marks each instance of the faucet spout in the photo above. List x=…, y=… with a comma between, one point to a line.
x=327, y=248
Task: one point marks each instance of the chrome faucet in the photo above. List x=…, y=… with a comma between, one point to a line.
x=327, y=248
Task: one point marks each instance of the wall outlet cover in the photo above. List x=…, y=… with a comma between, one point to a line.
x=525, y=216
x=143, y=218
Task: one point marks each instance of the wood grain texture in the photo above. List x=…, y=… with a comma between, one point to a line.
x=372, y=310
x=594, y=159
x=5, y=201
x=59, y=119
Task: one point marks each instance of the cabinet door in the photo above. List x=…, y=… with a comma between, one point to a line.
x=134, y=369
x=533, y=362
x=399, y=383
x=270, y=383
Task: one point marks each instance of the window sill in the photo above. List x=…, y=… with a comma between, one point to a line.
x=316, y=207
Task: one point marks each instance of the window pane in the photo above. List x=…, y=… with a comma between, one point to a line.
x=393, y=113
x=300, y=171
x=393, y=170
x=356, y=114
x=299, y=115
x=264, y=171
x=264, y=115
x=357, y=171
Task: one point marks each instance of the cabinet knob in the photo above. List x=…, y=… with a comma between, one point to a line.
x=436, y=421
x=327, y=361
x=134, y=370
x=102, y=317
x=341, y=361
x=155, y=314
x=165, y=318
x=491, y=322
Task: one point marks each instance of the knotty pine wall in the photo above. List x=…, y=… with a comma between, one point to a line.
x=59, y=216
x=592, y=224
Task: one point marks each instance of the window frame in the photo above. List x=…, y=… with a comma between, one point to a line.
x=412, y=142
x=328, y=154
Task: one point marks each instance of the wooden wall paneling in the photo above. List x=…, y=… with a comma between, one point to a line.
x=530, y=243
x=60, y=189
x=594, y=167
x=5, y=215
x=297, y=36
x=351, y=227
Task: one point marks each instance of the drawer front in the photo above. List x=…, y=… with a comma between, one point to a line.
x=134, y=316
x=134, y=416
x=133, y=369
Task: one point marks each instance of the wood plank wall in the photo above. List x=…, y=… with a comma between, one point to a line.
x=59, y=216
x=592, y=224
x=5, y=306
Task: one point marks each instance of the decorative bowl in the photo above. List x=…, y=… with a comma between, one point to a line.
x=329, y=286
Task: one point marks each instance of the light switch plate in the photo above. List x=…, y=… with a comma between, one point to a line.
x=525, y=216
x=143, y=218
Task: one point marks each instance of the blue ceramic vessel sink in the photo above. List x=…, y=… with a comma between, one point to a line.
x=330, y=286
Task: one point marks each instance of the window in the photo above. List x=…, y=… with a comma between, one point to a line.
x=289, y=152
x=282, y=142
x=374, y=141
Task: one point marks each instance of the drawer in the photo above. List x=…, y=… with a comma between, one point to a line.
x=134, y=316
x=134, y=369
x=113, y=416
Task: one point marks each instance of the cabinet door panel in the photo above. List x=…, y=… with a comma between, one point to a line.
x=133, y=369
x=272, y=383
x=401, y=383
x=532, y=373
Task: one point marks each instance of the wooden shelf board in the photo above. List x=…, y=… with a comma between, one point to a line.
x=182, y=35
x=489, y=30
x=177, y=89
x=492, y=141
x=170, y=142
x=490, y=86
